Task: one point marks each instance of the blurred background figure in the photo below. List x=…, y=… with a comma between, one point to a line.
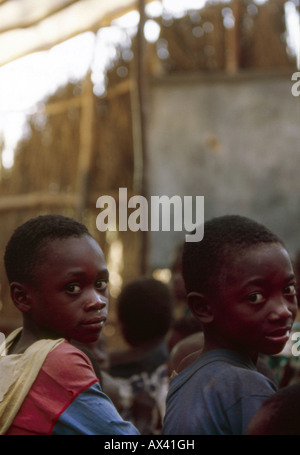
x=144, y=309
x=279, y=414
x=177, y=283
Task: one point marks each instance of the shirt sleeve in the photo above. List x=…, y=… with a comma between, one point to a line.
x=92, y=413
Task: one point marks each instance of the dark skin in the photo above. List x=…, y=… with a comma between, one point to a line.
x=68, y=295
x=254, y=310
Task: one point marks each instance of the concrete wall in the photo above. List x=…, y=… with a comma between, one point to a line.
x=233, y=140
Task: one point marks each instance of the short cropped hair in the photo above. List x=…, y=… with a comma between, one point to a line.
x=224, y=238
x=24, y=248
x=144, y=309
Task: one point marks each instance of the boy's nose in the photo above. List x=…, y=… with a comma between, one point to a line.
x=282, y=309
x=95, y=301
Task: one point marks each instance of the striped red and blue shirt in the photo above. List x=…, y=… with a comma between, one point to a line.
x=67, y=399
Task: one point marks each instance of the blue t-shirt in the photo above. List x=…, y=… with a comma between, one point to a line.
x=217, y=394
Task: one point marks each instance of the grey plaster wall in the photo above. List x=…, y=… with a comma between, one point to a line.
x=233, y=140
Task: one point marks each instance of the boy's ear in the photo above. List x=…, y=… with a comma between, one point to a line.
x=200, y=307
x=19, y=296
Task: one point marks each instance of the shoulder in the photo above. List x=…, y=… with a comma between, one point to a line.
x=240, y=381
x=67, y=347
x=68, y=353
x=66, y=362
x=223, y=370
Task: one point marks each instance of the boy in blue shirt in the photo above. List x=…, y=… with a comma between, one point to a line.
x=241, y=286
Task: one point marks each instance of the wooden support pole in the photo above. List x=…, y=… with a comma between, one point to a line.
x=141, y=170
x=232, y=36
x=86, y=145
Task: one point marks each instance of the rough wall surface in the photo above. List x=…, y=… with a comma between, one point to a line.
x=233, y=140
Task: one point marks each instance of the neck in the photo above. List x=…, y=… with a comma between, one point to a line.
x=213, y=343
x=29, y=335
x=21, y=343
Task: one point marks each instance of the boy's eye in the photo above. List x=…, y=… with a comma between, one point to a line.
x=73, y=288
x=290, y=290
x=256, y=297
x=101, y=285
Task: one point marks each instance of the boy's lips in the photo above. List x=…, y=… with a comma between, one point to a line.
x=279, y=335
x=96, y=322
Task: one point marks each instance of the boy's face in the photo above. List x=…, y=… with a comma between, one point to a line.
x=255, y=309
x=70, y=297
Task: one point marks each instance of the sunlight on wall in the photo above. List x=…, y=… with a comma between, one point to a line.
x=163, y=275
x=115, y=264
x=43, y=72
x=293, y=30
